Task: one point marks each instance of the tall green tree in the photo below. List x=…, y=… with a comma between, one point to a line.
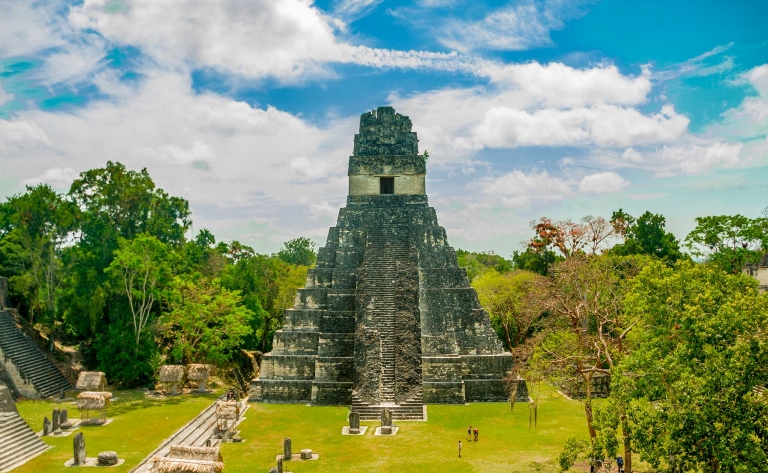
x=141, y=272
x=478, y=263
x=268, y=287
x=699, y=350
x=205, y=322
x=114, y=203
x=511, y=300
x=299, y=251
x=646, y=235
x=535, y=260
x=34, y=228
x=729, y=241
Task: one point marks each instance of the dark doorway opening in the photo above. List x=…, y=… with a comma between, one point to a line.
x=387, y=185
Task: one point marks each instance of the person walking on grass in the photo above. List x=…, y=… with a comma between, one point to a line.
x=475, y=431
x=459, y=448
x=469, y=433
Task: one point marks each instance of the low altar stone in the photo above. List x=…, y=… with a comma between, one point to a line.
x=107, y=458
x=306, y=454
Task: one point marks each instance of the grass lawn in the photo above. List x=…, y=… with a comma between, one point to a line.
x=139, y=426
x=506, y=443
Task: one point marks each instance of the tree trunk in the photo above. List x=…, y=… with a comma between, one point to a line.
x=506, y=335
x=627, y=443
x=588, y=406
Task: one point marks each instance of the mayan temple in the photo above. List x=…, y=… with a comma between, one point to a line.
x=387, y=317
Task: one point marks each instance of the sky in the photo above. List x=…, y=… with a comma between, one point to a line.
x=248, y=108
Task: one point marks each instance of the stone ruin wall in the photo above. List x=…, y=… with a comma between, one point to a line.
x=3, y=293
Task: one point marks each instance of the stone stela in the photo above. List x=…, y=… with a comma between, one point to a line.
x=387, y=318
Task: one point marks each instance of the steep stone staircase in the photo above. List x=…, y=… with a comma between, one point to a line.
x=32, y=364
x=18, y=443
x=387, y=244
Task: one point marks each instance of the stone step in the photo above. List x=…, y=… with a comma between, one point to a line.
x=18, y=443
x=29, y=359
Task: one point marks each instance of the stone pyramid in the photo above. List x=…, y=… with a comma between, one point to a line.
x=387, y=317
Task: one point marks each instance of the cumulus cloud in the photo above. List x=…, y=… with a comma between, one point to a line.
x=517, y=189
x=173, y=131
x=602, y=183
x=601, y=125
x=60, y=178
x=558, y=85
x=679, y=158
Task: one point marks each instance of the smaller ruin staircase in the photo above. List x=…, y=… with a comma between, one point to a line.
x=33, y=365
x=385, y=247
x=18, y=443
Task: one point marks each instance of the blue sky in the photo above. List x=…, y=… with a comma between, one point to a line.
x=528, y=108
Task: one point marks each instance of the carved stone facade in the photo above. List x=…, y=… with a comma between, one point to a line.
x=387, y=317
x=759, y=271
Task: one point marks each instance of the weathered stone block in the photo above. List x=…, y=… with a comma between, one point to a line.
x=107, y=458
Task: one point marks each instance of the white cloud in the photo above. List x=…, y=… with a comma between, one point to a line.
x=350, y=10
x=602, y=183
x=558, y=85
x=287, y=39
x=323, y=211
x=514, y=27
x=60, y=178
x=27, y=27
x=694, y=159
x=632, y=156
x=753, y=111
x=21, y=135
x=4, y=97
x=601, y=125
x=199, y=155
x=689, y=156
x=517, y=189
x=168, y=128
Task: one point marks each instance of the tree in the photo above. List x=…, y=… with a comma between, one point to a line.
x=268, y=287
x=34, y=229
x=699, y=351
x=141, y=271
x=592, y=236
x=729, y=241
x=537, y=261
x=205, y=322
x=478, y=263
x=511, y=300
x=646, y=235
x=114, y=203
x=586, y=326
x=299, y=251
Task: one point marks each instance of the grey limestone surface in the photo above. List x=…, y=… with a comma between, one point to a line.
x=78, y=445
x=387, y=317
x=107, y=458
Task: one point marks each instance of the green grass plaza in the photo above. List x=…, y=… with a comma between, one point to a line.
x=506, y=442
